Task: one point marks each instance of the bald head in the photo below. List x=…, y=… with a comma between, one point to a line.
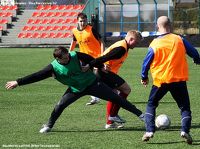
x=163, y=24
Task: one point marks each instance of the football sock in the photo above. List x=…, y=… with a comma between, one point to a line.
x=116, y=107
x=108, y=112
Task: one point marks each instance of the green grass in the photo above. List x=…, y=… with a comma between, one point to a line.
x=24, y=109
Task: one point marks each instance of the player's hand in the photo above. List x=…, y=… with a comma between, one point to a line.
x=11, y=85
x=145, y=82
x=107, y=67
x=197, y=61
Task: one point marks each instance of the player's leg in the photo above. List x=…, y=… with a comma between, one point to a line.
x=113, y=120
x=115, y=82
x=124, y=91
x=180, y=94
x=67, y=99
x=93, y=99
x=103, y=91
x=113, y=108
x=155, y=96
x=122, y=88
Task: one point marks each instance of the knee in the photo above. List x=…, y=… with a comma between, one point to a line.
x=125, y=88
x=128, y=90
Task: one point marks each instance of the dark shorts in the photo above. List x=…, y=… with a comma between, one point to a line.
x=111, y=79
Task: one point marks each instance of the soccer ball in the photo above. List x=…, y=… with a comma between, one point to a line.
x=162, y=121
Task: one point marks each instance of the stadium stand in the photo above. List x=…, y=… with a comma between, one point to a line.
x=49, y=18
x=46, y=24
x=51, y=23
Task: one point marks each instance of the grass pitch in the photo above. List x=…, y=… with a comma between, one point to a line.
x=24, y=109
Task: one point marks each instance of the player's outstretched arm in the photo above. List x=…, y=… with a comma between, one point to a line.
x=11, y=85
x=34, y=77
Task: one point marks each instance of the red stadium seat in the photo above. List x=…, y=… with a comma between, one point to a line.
x=43, y=14
x=68, y=21
x=33, y=28
x=47, y=7
x=52, y=35
x=36, y=35
x=74, y=21
x=9, y=14
x=37, y=21
x=78, y=7
x=6, y=7
x=21, y=35
x=56, y=28
x=72, y=27
x=30, y=21
x=49, y=28
x=6, y=14
x=58, y=14
x=65, y=14
x=73, y=14
x=41, y=28
x=13, y=7
x=28, y=35
x=62, y=7
x=59, y=35
x=50, y=14
x=44, y=35
x=60, y=21
x=45, y=21
x=69, y=7
x=26, y=28
x=53, y=21
x=66, y=35
x=36, y=14
x=64, y=28
x=54, y=7
x=3, y=21
x=40, y=7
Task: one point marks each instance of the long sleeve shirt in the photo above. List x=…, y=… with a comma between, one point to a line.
x=48, y=71
x=190, y=50
x=116, y=53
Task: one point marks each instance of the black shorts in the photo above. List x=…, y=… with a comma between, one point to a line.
x=111, y=79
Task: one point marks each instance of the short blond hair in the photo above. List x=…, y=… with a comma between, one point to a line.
x=134, y=33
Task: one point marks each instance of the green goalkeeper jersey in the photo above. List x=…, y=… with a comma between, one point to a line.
x=72, y=75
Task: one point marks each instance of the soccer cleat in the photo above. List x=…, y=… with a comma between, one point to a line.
x=113, y=126
x=147, y=136
x=187, y=137
x=94, y=100
x=45, y=129
x=117, y=119
x=142, y=117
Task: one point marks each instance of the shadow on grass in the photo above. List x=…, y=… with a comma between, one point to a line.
x=132, y=129
x=102, y=130
x=161, y=102
x=177, y=128
x=195, y=142
x=172, y=128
